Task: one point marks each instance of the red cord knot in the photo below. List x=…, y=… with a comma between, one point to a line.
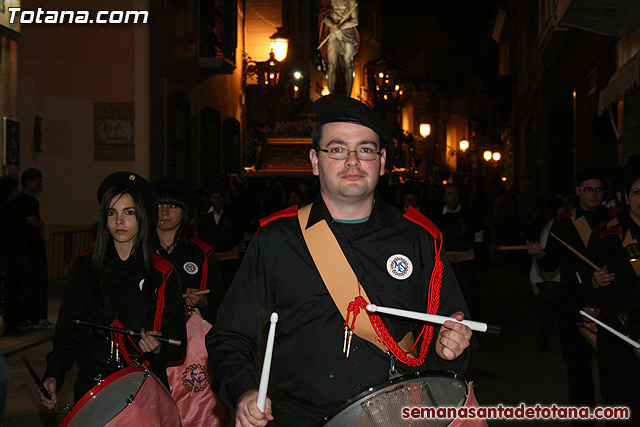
x=354, y=309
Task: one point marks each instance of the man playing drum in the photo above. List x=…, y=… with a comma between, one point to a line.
x=379, y=255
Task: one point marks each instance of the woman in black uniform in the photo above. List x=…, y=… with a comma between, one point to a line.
x=617, y=285
x=198, y=270
x=193, y=259
x=120, y=283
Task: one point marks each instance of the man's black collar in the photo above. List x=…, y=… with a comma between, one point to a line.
x=382, y=212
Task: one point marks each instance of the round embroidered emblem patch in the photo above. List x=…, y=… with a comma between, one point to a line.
x=190, y=267
x=399, y=266
x=195, y=378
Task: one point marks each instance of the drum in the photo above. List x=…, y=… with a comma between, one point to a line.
x=131, y=396
x=633, y=251
x=383, y=405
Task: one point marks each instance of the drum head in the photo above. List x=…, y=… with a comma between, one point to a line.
x=103, y=402
x=382, y=405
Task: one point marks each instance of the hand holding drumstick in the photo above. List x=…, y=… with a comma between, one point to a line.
x=46, y=389
x=196, y=297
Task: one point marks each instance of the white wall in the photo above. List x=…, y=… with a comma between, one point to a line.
x=62, y=71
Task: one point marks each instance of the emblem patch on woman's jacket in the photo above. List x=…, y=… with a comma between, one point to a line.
x=190, y=267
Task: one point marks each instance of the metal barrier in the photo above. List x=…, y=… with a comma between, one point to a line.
x=64, y=244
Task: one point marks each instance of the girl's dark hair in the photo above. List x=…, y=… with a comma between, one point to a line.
x=170, y=195
x=623, y=213
x=101, y=263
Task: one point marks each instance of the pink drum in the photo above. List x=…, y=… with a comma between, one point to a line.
x=129, y=397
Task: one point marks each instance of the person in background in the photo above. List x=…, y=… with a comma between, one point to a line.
x=34, y=274
x=120, y=283
x=461, y=230
x=12, y=295
x=410, y=198
x=294, y=198
x=576, y=228
x=223, y=229
x=617, y=286
x=546, y=284
x=197, y=268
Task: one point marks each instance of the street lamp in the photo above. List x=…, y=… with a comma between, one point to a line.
x=384, y=83
x=464, y=145
x=268, y=72
x=279, y=44
x=487, y=155
x=496, y=156
x=425, y=129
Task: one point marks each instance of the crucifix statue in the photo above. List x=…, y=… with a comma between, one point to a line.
x=339, y=39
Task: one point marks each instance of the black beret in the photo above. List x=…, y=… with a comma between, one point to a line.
x=587, y=174
x=177, y=184
x=133, y=180
x=339, y=108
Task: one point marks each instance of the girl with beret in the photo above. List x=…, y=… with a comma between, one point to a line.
x=120, y=283
x=198, y=271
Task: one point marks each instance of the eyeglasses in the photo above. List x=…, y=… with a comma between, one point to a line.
x=590, y=190
x=341, y=153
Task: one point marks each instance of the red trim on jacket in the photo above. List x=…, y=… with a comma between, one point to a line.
x=413, y=215
x=285, y=213
x=609, y=232
x=208, y=250
x=166, y=268
x=599, y=226
x=563, y=215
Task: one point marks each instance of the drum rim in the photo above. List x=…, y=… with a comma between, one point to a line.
x=97, y=388
x=390, y=382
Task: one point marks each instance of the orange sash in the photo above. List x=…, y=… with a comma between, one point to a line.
x=582, y=226
x=336, y=273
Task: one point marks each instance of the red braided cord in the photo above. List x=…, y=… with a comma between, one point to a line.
x=355, y=309
x=205, y=270
x=433, y=304
x=119, y=339
x=157, y=322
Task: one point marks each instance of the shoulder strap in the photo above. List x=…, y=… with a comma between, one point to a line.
x=582, y=227
x=627, y=241
x=349, y=295
x=336, y=273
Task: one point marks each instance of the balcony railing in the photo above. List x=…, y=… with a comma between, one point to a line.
x=64, y=244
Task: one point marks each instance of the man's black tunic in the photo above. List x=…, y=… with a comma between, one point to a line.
x=309, y=367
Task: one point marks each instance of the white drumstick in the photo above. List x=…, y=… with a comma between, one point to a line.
x=610, y=329
x=433, y=318
x=266, y=366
